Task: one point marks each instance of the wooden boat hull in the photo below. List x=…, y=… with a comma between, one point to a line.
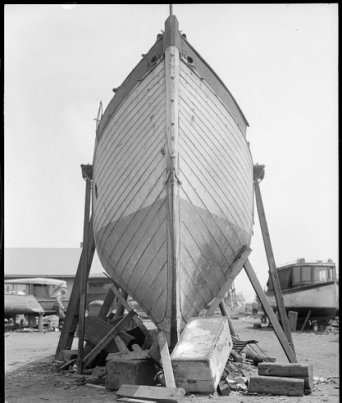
x=320, y=298
x=172, y=184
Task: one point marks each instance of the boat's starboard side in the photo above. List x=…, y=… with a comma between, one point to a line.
x=216, y=193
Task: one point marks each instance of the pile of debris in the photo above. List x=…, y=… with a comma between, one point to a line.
x=123, y=356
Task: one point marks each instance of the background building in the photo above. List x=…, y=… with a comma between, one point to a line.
x=58, y=263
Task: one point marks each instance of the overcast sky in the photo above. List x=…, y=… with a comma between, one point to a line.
x=279, y=61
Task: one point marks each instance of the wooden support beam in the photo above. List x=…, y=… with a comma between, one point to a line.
x=107, y=303
x=293, y=316
x=95, y=330
x=87, y=175
x=269, y=312
x=306, y=321
x=40, y=322
x=120, y=309
x=105, y=340
x=270, y=257
x=166, y=361
x=224, y=311
x=127, y=306
x=235, y=269
x=71, y=318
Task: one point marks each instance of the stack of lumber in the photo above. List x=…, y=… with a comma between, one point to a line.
x=282, y=379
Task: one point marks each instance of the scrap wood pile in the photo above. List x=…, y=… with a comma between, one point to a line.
x=135, y=363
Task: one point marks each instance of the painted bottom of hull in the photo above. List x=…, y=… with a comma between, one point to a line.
x=320, y=315
x=134, y=252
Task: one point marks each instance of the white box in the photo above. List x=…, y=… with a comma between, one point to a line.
x=201, y=354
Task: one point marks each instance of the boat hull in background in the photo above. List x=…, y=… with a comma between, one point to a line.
x=319, y=298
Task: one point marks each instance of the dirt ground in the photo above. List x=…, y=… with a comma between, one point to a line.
x=31, y=376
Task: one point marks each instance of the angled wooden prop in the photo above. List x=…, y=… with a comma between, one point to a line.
x=76, y=302
x=166, y=361
x=110, y=335
x=269, y=312
x=258, y=175
x=224, y=312
x=128, y=307
x=87, y=173
x=235, y=269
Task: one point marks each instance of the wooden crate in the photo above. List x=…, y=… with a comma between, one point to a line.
x=120, y=371
x=201, y=354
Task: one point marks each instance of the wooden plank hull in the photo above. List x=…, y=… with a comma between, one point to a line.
x=172, y=186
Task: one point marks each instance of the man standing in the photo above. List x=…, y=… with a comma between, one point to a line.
x=61, y=291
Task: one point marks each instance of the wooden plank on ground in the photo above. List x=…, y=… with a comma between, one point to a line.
x=302, y=371
x=66, y=365
x=132, y=400
x=272, y=385
x=166, y=361
x=284, y=342
x=105, y=340
x=152, y=393
x=235, y=269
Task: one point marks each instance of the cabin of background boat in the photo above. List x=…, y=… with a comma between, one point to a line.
x=40, y=288
x=304, y=273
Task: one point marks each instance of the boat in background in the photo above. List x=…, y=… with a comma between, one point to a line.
x=308, y=286
x=17, y=304
x=172, y=183
x=19, y=295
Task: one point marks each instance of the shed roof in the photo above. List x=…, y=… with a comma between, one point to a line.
x=46, y=262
